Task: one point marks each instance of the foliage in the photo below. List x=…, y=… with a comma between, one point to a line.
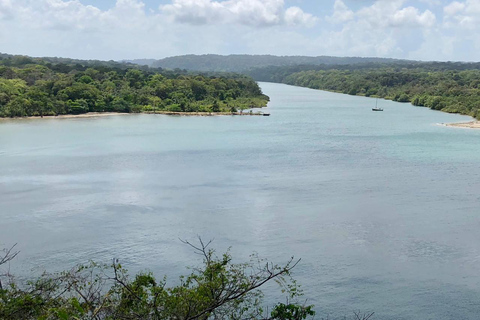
x=446, y=86
x=449, y=87
x=244, y=62
x=50, y=86
x=218, y=289
x=291, y=311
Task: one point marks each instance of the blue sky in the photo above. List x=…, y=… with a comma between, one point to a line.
x=127, y=29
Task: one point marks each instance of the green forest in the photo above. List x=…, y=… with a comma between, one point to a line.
x=245, y=62
x=449, y=87
x=55, y=86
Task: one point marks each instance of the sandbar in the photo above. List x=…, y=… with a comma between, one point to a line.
x=470, y=124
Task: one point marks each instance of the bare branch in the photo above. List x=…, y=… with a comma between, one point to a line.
x=365, y=316
x=8, y=255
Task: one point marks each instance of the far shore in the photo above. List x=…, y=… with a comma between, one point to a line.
x=470, y=124
x=169, y=113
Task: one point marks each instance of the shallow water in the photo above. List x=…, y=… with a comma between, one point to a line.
x=382, y=207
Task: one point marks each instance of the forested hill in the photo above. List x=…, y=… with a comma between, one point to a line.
x=56, y=86
x=20, y=60
x=241, y=63
x=447, y=86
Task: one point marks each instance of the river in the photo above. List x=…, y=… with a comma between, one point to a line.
x=382, y=207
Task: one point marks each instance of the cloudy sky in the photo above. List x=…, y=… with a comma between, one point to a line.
x=127, y=29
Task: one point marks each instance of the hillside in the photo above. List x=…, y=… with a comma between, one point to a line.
x=241, y=63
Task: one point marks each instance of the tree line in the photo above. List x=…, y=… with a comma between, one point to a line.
x=244, y=62
x=450, y=87
x=55, y=86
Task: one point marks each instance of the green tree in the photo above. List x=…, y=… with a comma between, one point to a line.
x=217, y=289
x=38, y=101
x=17, y=107
x=135, y=78
x=120, y=105
x=78, y=106
x=155, y=101
x=215, y=106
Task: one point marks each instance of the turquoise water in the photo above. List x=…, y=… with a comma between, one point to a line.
x=382, y=207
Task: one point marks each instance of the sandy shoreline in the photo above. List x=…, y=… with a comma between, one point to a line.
x=470, y=124
x=169, y=113
x=207, y=114
x=66, y=116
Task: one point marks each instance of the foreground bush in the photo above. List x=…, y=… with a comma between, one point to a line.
x=218, y=289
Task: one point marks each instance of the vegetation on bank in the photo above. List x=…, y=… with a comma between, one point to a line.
x=52, y=86
x=218, y=289
x=449, y=87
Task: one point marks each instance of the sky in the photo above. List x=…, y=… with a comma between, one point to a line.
x=442, y=30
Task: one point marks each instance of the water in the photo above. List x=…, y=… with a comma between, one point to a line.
x=382, y=207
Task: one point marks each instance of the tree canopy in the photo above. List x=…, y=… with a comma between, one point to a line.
x=449, y=87
x=244, y=62
x=446, y=86
x=40, y=87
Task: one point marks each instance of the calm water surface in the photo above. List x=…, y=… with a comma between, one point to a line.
x=382, y=207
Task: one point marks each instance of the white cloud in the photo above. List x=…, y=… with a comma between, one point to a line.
x=436, y=47
x=294, y=16
x=463, y=15
x=392, y=14
x=386, y=28
x=454, y=8
x=245, y=12
x=341, y=13
x=194, y=12
x=359, y=39
x=460, y=29
x=254, y=12
x=5, y=9
x=379, y=14
x=69, y=28
x=57, y=14
x=411, y=17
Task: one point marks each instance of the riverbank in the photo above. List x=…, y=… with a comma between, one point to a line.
x=208, y=114
x=470, y=124
x=66, y=116
x=169, y=113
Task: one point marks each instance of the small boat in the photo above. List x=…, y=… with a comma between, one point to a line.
x=376, y=107
x=266, y=114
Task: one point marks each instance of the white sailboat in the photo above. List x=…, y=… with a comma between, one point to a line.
x=376, y=107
